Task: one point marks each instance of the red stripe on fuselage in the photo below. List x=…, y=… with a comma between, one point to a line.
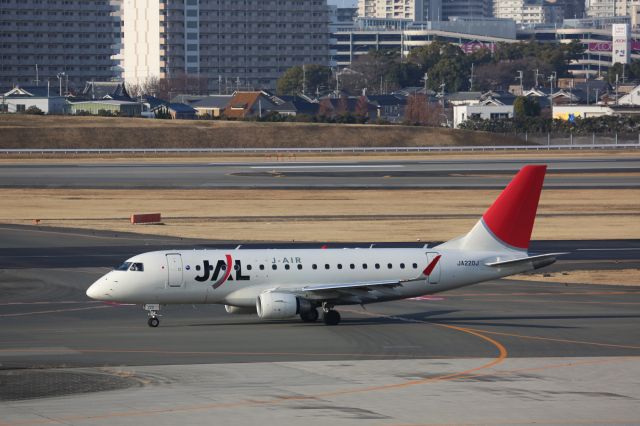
x=227, y=272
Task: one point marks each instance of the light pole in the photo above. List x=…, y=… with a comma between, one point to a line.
x=60, y=75
x=520, y=77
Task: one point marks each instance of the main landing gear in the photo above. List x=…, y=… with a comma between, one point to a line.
x=310, y=315
x=152, y=310
x=330, y=316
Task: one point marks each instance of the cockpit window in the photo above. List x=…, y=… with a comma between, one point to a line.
x=124, y=266
x=137, y=267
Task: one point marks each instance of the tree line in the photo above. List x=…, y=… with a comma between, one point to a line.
x=441, y=66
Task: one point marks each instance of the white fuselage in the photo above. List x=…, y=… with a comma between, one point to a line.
x=180, y=276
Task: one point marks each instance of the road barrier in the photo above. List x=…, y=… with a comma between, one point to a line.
x=146, y=218
x=388, y=149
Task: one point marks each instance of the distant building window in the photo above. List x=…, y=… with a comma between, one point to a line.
x=21, y=108
x=4, y=108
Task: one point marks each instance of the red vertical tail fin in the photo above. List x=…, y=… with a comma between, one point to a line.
x=510, y=218
x=508, y=223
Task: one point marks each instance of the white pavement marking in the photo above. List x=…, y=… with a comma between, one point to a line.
x=331, y=166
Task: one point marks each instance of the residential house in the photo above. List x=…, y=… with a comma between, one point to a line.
x=389, y=107
x=106, y=107
x=464, y=98
x=153, y=107
x=488, y=109
x=108, y=90
x=332, y=107
x=631, y=98
x=179, y=111
x=302, y=104
x=210, y=106
x=20, y=99
x=248, y=105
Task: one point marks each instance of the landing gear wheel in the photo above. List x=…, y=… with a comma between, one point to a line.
x=331, y=317
x=309, y=316
x=153, y=322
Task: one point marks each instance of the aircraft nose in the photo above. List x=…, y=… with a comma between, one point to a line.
x=92, y=291
x=99, y=290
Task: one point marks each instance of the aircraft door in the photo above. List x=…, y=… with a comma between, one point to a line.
x=174, y=270
x=434, y=276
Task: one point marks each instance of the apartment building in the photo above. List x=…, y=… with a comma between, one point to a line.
x=528, y=12
x=609, y=8
x=415, y=10
x=230, y=44
x=467, y=9
x=63, y=42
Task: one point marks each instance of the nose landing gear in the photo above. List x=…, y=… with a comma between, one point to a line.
x=330, y=316
x=152, y=309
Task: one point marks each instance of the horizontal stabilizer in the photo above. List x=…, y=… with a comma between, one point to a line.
x=537, y=261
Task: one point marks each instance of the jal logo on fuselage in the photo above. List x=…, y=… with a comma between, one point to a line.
x=222, y=271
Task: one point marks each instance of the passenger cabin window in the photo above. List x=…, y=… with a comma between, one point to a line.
x=299, y=266
x=377, y=266
x=124, y=266
x=137, y=267
x=352, y=266
x=326, y=266
x=364, y=266
x=286, y=267
x=389, y=265
x=262, y=267
x=402, y=266
x=314, y=266
x=248, y=267
x=339, y=265
x=274, y=267
x=415, y=266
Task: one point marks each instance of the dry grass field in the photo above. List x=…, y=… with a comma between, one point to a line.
x=24, y=131
x=320, y=215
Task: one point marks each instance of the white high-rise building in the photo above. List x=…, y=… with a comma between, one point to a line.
x=524, y=12
x=415, y=10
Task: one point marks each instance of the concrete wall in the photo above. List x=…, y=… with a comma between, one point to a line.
x=54, y=105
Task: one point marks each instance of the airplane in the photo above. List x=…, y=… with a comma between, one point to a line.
x=284, y=283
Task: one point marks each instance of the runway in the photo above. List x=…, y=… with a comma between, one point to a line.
x=573, y=172
x=552, y=353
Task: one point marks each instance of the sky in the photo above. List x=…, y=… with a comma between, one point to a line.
x=344, y=3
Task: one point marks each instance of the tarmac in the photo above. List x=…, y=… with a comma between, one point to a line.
x=497, y=353
x=570, y=172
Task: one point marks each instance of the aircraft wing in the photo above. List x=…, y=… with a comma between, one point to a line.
x=538, y=261
x=357, y=292
x=365, y=285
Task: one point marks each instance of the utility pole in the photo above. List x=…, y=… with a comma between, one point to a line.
x=304, y=79
x=37, y=76
x=520, y=77
x=60, y=75
x=617, y=75
x=471, y=79
x=426, y=80
x=537, y=74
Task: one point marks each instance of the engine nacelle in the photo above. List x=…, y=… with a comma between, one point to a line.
x=278, y=305
x=239, y=310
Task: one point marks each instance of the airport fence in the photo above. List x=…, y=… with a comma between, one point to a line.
x=564, y=143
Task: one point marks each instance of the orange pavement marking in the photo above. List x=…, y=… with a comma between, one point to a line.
x=551, y=339
x=279, y=400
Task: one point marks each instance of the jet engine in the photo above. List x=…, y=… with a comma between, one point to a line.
x=239, y=310
x=280, y=305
